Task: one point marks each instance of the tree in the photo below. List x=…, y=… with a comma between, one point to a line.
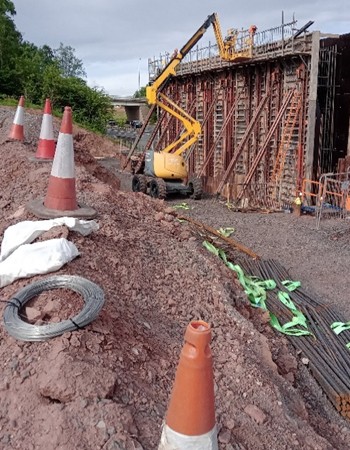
x=10, y=42
x=47, y=54
x=69, y=64
x=31, y=63
x=7, y=8
x=52, y=82
x=140, y=93
x=91, y=106
x=41, y=72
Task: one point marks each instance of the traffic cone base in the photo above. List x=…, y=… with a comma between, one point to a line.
x=61, y=198
x=17, y=132
x=63, y=195
x=46, y=149
x=17, y=128
x=46, y=145
x=190, y=419
x=176, y=441
x=38, y=208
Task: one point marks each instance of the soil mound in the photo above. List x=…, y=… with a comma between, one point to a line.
x=107, y=386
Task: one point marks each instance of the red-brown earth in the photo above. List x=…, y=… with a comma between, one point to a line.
x=107, y=386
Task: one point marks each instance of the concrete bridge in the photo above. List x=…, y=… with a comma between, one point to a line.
x=135, y=108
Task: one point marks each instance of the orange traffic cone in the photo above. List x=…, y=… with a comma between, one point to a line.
x=17, y=129
x=46, y=145
x=190, y=420
x=61, y=192
x=61, y=197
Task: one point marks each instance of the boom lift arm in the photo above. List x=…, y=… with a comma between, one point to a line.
x=228, y=52
x=154, y=96
x=160, y=173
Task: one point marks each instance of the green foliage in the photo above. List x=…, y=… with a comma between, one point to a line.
x=140, y=93
x=7, y=8
x=121, y=121
x=8, y=101
x=10, y=43
x=91, y=106
x=30, y=68
x=52, y=81
x=68, y=63
x=42, y=72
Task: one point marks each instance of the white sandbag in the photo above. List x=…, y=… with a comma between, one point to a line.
x=39, y=258
x=27, y=231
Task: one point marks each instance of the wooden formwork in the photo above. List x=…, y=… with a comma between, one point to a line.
x=245, y=111
x=268, y=122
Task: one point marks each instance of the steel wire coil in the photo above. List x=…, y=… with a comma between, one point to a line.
x=92, y=294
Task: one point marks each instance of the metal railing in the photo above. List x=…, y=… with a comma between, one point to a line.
x=328, y=198
x=265, y=42
x=334, y=197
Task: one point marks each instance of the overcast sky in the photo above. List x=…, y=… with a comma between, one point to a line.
x=114, y=38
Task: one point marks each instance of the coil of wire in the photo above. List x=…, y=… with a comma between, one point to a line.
x=92, y=294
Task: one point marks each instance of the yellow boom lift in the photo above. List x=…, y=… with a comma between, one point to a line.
x=165, y=171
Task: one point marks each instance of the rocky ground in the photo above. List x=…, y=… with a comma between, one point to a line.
x=107, y=386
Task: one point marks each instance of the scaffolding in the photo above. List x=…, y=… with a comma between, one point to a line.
x=267, y=122
x=271, y=43
x=326, y=104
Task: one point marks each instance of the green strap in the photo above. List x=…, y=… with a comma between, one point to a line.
x=211, y=248
x=339, y=327
x=298, y=317
x=181, y=206
x=269, y=285
x=256, y=294
x=255, y=289
x=289, y=327
x=226, y=231
x=285, y=299
x=291, y=285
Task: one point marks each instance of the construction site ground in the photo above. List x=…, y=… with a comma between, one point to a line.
x=107, y=386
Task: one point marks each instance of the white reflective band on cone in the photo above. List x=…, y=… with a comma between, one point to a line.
x=19, y=116
x=46, y=131
x=171, y=440
x=63, y=163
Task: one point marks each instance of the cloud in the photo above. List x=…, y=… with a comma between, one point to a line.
x=110, y=36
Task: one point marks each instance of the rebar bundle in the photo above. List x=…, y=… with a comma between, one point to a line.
x=329, y=358
x=326, y=351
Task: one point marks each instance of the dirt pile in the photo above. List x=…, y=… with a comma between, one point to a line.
x=107, y=386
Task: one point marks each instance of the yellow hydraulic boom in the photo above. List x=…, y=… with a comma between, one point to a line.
x=154, y=96
x=166, y=171
x=232, y=48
